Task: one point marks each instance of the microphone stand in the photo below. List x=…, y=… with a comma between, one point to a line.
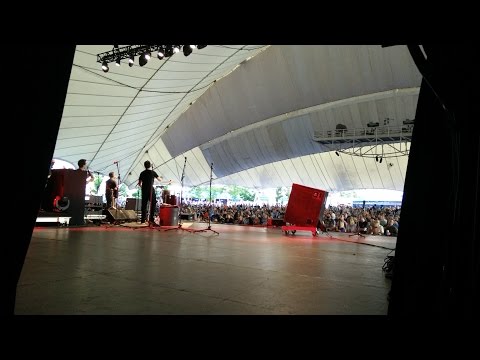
x=181, y=197
x=209, y=227
x=118, y=188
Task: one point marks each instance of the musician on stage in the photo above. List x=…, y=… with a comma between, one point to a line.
x=146, y=181
x=111, y=191
x=82, y=166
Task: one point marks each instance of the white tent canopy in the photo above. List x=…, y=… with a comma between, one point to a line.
x=249, y=110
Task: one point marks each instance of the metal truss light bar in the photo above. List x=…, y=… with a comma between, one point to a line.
x=131, y=50
x=385, y=151
x=393, y=141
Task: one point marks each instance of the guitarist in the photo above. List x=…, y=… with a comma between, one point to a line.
x=111, y=191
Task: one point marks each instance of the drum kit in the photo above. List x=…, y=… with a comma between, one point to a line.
x=166, y=198
x=167, y=208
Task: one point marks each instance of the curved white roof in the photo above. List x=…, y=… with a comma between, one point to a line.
x=251, y=110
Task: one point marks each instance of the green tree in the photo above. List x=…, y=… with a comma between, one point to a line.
x=97, y=181
x=123, y=190
x=278, y=194
x=199, y=192
x=216, y=190
x=282, y=194
x=137, y=193
x=234, y=192
x=247, y=195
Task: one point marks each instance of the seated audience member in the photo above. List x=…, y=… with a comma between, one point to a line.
x=390, y=229
x=382, y=219
x=329, y=224
x=342, y=225
x=351, y=224
x=362, y=225
x=377, y=229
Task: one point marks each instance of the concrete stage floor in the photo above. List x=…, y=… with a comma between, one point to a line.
x=116, y=270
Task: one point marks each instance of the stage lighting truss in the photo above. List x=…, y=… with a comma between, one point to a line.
x=380, y=142
x=131, y=51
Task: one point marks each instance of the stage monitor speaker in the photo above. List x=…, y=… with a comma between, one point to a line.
x=115, y=215
x=133, y=204
x=305, y=205
x=278, y=222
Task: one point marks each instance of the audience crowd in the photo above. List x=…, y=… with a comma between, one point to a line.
x=375, y=220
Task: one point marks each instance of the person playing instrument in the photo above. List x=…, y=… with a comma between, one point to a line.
x=82, y=166
x=111, y=191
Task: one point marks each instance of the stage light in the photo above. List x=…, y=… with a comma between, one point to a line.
x=381, y=159
x=376, y=158
x=144, y=52
x=168, y=51
x=187, y=50
x=336, y=153
x=142, y=60
x=105, y=66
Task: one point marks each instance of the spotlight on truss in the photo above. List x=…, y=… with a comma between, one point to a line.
x=143, y=52
x=105, y=66
x=187, y=50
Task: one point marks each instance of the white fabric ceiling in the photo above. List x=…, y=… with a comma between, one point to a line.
x=253, y=120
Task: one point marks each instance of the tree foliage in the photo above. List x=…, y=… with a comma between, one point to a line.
x=198, y=192
x=137, y=193
x=282, y=194
x=97, y=181
x=123, y=190
x=246, y=194
x=234, y=192
x=238, y=193
x=216, y=191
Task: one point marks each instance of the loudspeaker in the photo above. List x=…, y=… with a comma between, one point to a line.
x=68, y=186
x=278, y=222
x=133, y=204
x=115, y=215
x=305, y=205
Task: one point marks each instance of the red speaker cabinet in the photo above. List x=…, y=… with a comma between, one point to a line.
x=305, y=206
